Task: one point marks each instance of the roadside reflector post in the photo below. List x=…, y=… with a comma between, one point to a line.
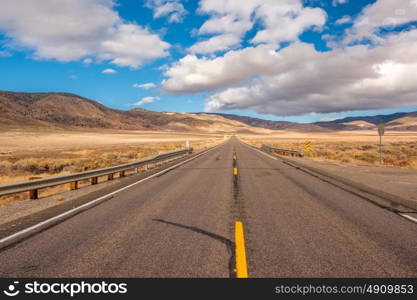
x=381, y=132
x=110, y=176
x=145, y=167
x=33, y=194
x=74, y=185
x=122, y=174
x=94, y=180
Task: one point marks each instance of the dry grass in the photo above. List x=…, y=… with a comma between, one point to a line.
x=88, y=152
x=13, y=168
x=400, y=148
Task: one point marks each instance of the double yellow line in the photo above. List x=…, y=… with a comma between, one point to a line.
x=234, y=164
x=240, y=251
x=241, y=264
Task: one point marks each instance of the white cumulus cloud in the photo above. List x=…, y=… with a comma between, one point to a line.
x=286, y=20
x=173, y=9
x=230, y=20
x=109, y=71
x=192, y=74
x=69, y=30
x=145, y=86
x=145, y=100
x=382, y=13
x=337, y=2
x=216, y=43
x=299, y=79
x=307, y=81
x=344, y=20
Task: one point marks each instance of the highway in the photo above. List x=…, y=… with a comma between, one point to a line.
x=182, y=224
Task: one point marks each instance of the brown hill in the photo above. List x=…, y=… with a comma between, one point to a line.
x=356, y=125
x=275, y=125
x=60, y=109
x=408, y=122
x=395, y=121
x=65, y=110
x=69, y=110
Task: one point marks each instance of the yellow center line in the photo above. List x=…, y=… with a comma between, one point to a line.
x=241, y=265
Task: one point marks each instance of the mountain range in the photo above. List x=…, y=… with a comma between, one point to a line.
x=63, y=110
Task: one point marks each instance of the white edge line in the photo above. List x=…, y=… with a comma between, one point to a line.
x=4, y=242
x=408, y=217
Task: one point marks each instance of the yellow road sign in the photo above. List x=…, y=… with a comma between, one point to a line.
x=307, y=147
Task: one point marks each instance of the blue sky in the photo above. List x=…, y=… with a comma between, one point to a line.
x=304, y=61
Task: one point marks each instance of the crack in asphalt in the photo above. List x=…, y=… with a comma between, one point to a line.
x=238, y=203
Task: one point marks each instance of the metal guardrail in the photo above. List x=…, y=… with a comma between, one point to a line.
x=34, y=185
x=282, y=151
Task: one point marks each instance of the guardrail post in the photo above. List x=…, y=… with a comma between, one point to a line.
x=110, y=176
x=74, y=185
x=33, y=194
x=122, y=174
x=94, y=180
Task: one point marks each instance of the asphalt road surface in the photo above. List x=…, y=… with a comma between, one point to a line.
x=182, y=224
